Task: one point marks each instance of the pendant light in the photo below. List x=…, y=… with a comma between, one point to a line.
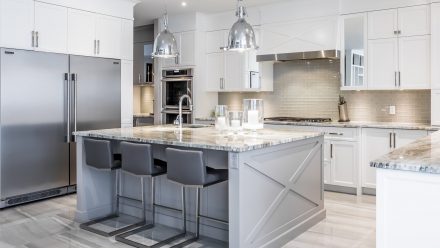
x=165, y=45
x=241, y=36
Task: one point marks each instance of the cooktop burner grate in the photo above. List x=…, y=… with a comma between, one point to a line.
x=298, y=119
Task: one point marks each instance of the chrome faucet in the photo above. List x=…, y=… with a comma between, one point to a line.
x=179, y=118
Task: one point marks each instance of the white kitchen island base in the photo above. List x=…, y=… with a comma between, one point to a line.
x=274, y=193
x=408, y=209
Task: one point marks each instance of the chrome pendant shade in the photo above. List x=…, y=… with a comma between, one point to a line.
x=241, y=36
x=165, y=44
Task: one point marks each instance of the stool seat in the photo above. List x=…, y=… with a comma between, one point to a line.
x=159, y=168
x=214, y=176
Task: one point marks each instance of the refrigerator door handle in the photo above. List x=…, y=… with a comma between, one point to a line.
x=75, y=101
x=67, y=81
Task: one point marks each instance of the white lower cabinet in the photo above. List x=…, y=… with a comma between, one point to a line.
x=378, y=142
x=344, y=161
x=435, y=107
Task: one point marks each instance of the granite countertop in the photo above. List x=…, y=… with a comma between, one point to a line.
x=360, y=124
x=420, y=156
x=203, y=138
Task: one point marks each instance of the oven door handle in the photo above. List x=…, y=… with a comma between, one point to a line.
x=168, y=111
x=176, y=79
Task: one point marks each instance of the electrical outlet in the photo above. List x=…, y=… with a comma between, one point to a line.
x=392, y=110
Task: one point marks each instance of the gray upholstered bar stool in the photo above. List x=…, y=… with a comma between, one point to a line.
x=187, y=168
x=99, y=155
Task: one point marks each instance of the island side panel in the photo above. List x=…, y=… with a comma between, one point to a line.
x=407, y=208
x=95, y=189
x=275, y=193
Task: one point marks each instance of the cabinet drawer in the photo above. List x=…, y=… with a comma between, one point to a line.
x=340, y=133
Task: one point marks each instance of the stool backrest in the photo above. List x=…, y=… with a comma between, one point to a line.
x=186, y=167
x=98, y=154
x=137, y=158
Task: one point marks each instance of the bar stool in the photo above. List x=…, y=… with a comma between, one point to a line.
x=99, y=155
x=187, y=168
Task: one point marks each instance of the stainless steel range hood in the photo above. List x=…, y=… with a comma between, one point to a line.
x=282, y=57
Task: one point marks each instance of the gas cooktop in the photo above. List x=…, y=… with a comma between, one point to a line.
x=298, y=119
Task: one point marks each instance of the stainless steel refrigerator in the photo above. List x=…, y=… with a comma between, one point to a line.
x=44, y=97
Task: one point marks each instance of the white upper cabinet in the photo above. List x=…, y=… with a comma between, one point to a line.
x=435, y=46
x=187, y=48
x=17, y=24
x=236, y=69
x=414, y=21
x=50, y=28
x=414, y=62
x=383, y=63
x=382, y=24
x=186, y=45
x=81, y=32
x=215, y=40
x=127, y=40
x=108, y=36
x=215, y=71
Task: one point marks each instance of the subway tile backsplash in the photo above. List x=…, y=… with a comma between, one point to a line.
x=312, y=89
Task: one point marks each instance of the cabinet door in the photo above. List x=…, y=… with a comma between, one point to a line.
x=187, y=49
x=215, y=68
x=108, y=34
x=327, y=162
x=126, y=92
x=236, y=65
x=344, y=163
x=435, y=107
x=414, y=21
x=382, y=63
x=127, y=40
x=16, y=23
x=81, y=32
x=382, y=24
x=404, y=137
x=414, y=62
x=51, y=25
x=139, y=63
x=435, y=45
x=215, y=40
x=375, y=143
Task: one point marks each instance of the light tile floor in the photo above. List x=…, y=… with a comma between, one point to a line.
x=350, y=223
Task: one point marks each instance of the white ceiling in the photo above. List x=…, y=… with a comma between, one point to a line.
x=148, y=10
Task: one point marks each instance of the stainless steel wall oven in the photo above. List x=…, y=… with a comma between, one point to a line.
x=176, y=83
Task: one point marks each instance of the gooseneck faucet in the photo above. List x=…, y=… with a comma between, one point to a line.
x=180, y=108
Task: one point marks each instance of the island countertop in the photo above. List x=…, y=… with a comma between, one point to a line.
x=420, y=156
x=203, y=138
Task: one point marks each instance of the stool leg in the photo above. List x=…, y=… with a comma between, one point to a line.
x=143, y=198
x=184, y=209
x=153, y=200
x=198, y=213
x=117, y=188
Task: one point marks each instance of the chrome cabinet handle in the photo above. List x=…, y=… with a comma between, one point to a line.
x=98, y=47
x=398, y=75
x=94, y=46
x=395, y=78
x=394, y=135
x=139, y=78
x=391, y=140
x=33, y=38
x=67, y=81
x=331, y=150
x=37, y=39
x=338, y=134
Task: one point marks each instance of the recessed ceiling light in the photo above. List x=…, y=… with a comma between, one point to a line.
x=184, y=4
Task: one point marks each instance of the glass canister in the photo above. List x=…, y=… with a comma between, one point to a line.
x=221, y=117
x=235, y=121
x=253, y=114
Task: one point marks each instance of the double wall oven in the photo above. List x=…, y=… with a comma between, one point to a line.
x=176, y=83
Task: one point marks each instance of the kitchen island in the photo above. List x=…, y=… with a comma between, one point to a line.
x=408, y=195
x=274, y=191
